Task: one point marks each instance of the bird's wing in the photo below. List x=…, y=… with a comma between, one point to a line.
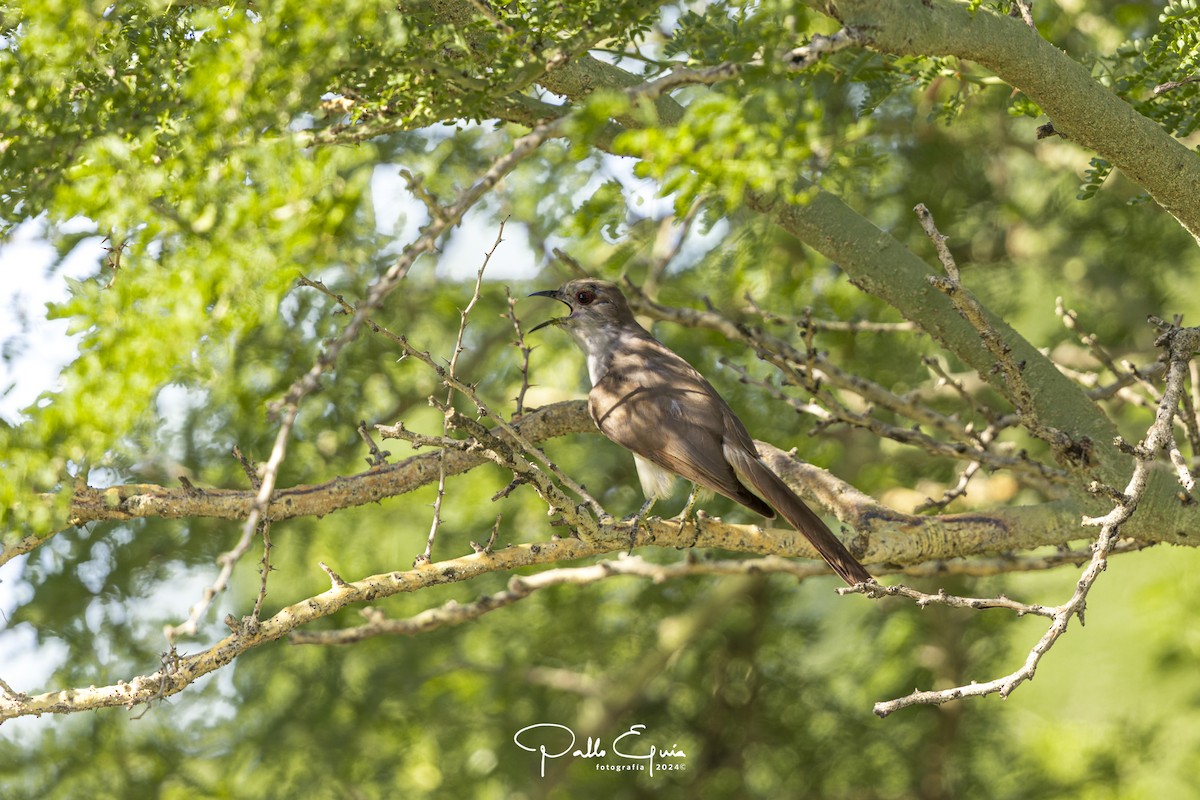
x=652, y=402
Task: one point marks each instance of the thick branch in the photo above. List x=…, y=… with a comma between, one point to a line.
x=132, y=501
x=883, y=534
x=1081, y=108
x=180, y=671
x=453, y=613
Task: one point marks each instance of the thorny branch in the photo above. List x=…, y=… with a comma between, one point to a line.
x=1179, y=345
x=671, y=236
x=455, y=613
x=819, y=47
x=523, y=348
x=923, y=599
x=813, y=371
x=1017, y=388
x=228, y=560
x=807, y=322
x=485, y=442
x=451, y=368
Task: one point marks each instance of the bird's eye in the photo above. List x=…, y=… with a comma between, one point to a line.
x=585, y=297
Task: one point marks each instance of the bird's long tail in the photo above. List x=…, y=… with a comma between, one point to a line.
x=780, y=497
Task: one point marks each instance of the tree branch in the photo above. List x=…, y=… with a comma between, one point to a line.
x=1180, y=344
x=1080, y=107
x=455, y=613
x=133, y=501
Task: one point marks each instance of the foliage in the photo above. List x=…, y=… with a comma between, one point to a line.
x=1157, y=72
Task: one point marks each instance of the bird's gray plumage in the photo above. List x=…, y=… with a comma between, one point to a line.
x=650, y=401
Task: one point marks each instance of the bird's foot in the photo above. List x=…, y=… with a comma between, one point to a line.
x=637, y=520
x=686, y=514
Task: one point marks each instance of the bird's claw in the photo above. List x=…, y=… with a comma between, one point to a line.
x=637, y=520
x=686, y=513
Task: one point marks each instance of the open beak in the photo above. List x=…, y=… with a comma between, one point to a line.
x=556, y=321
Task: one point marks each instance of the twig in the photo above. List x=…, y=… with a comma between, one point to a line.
x=264, y=567
x=523, y=348
x=817, y=48
x=1024, y=10
x=227, y=560
x=248, y=467
x=486, y=549
x=487, y=13
x=944, y=378
x=12, y=693
x=705, y=76
x=671, y=235
x=1016, y=387
x=464, y=317
x=1194, y=422
x=925, y=217
x=1123, y=373
x=113, y=257
x=875, y=590
x=956, y=491
x=1187, y=416
x=378, y=457
x=264, y=564
x=807, y=320
x=336, y=580
x=169, y=664
x=415, y=183
x=571, y=262
x=419, y=440
x=1169, y=86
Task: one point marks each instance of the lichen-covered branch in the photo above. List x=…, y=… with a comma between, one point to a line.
x=133, y=501
x=1080, y=107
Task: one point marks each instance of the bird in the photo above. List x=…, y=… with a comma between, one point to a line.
x=653, y=403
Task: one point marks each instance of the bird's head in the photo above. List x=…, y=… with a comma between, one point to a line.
x=595, y=305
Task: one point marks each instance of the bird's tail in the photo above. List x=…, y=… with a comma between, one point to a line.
x=780, y=497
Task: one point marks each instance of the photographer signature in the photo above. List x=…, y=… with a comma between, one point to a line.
x=544, y=736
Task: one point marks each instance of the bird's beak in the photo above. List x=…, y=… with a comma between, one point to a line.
x=557, y=295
